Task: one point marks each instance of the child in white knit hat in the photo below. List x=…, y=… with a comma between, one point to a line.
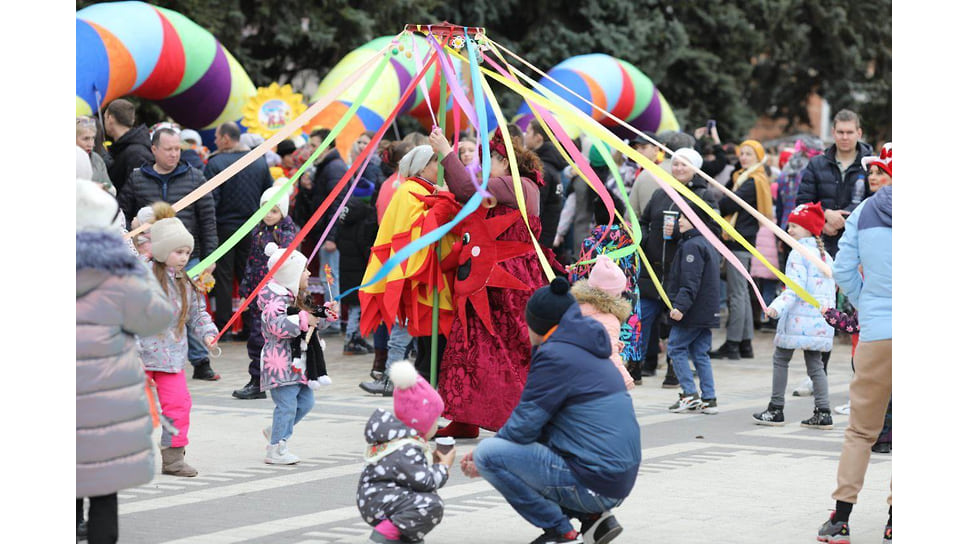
x=280, y=373
x=164, y=355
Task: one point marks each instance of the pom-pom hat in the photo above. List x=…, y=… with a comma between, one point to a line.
x=547, y=305
x=291, y=271
x=167, y=235
x=809, y=216
x=415, y=402
x=283, y=203
x=882, y=161
x=607, y=276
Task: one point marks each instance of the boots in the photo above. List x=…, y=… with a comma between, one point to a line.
x=459, y=430
x=671, y=381
x=250, y=391
x=729, y=350
x=635, y=371
x=204, y=372
x=746, y=349
x=173, y=462
x=379, y=363
x=382, y=386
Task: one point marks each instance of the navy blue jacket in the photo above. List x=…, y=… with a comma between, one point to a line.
x=822, y=182
x=129, y=153
x=238, y=198
x=576, y=404
x=329, y=170
x=694, y=281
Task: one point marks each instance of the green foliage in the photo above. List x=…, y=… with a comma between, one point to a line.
x=731, y=61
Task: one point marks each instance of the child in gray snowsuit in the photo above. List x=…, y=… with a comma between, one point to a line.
x=397, y=493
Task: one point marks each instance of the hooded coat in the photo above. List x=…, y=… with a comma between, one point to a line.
x=128, y=153
x=587, y=418
x=116, y=300
x=801, y=326
x=167, y=351
x=611, y=312
x=693, y=285
x=278, y=329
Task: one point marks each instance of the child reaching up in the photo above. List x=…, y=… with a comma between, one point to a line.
x=280, y=372
x=801, y=326
x=164, y=355
x=600, y=297
x=397, y=493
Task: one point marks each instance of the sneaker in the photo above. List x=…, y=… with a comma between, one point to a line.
x=887, y=534
x=834, y=532
x=843, y=409
x=805, y=389
x=686, y=403
x=602, y=530
x=819, y=420
x=278, y=454
x=709, y=406
x=772, y=416
x=550, y=535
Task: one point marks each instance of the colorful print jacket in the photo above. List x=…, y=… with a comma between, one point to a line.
x=168, y=350
x=279, y=329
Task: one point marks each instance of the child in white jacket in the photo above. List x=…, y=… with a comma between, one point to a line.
x=801, y=326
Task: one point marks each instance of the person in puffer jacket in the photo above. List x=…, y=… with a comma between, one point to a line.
x=802, y=326
x=116, y=300
x=397, y=492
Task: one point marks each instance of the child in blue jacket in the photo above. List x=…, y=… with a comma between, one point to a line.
x=693, y=288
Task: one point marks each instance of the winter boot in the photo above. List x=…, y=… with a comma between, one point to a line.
x=383, y=386
x=635, y=370
x=671, y=381
x=729, y=350
x=250, y=391
x=746, y=349
x=173, y=462
x=203, y=371
x=379, y=363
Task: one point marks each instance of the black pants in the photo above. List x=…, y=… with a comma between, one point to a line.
x=102, y=518
x=423, y=354
x=650, y=359
x=227, y=269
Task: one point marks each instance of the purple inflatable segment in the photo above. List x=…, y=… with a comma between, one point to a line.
x=403, y=76
x=203, y=102
x=650, y=118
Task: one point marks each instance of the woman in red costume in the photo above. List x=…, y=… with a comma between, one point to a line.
x=486, y=360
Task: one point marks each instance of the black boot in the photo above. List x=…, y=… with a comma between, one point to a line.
x=203, y=371
x=635, y=370
x=746, y=349
x=729, y=350
x=379, y=387
x=379, y=363
x=250, y=391
x=671, y=381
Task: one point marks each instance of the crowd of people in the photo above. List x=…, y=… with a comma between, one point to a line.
x=475, y=304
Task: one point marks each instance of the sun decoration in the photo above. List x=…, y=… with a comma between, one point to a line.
x=457, y=42
x=271, y=108
x=477, y=269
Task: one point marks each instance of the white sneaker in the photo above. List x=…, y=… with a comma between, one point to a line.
x=805, y=389
x=278, y=454
x=843, y=410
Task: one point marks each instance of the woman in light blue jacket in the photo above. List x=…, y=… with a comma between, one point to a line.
x=802, y=326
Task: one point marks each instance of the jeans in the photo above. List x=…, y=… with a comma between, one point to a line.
x=781, y=367
x=399, y=340
x=739, y=325
x=649, y=310
x=292, y=402
x=381, y=337
x=692, y=343
x=197, y=353
x=537, y=483
x=353, y=322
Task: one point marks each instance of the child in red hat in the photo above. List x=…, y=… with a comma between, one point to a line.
x=801, y=326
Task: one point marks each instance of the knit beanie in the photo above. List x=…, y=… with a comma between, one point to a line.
x=283, y=202
x=291, y=271
x=595, y=158
x=415, y=402
x=757, y=148
x=415, y=160
x=547, y=305
x=607, y=276
x=809, y=216
x=689, y=155
x=167, y=235
x=96, y=208
x=83, y=163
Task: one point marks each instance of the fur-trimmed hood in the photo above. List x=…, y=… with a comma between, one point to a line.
x=103, y=254
x=617, y=306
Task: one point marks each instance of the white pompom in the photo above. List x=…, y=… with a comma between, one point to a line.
x=271, y=248
x=403, y=374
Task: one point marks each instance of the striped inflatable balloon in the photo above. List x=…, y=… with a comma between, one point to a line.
x=134, y=48
x=612, y=84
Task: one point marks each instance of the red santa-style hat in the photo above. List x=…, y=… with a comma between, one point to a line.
x=883, y=161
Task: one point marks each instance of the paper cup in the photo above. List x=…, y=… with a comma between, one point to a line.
x=444, y=443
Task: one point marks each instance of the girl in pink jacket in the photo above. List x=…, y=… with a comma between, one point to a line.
x=600, y=297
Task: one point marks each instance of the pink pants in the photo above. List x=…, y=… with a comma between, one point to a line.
x=176, y=404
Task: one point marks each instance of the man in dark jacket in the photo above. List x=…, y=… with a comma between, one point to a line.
x=329, y=170
x=539, y=142
x=235, y=201
x=832, y=177
x=694, y=292
x=577, y=433
x=660, y=250
x=170, y=179
x=131, y=147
